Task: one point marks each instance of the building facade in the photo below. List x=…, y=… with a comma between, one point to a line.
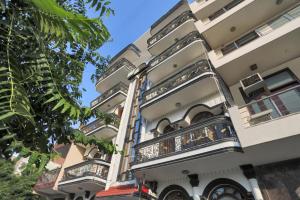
x=208, y=101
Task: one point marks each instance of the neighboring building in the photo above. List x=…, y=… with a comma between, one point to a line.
x=209, y=108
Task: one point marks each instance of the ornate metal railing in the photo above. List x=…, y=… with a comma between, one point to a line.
x=93, y=167
x=118, y=87
x=277, y=105
x=185, y=41
x=115, y=121
x=122, y=62
x=48, y=178
x=225, y=9
x=183, y=76
x=193, y=137
x=185, y=16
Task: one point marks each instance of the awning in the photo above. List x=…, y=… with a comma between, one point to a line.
x=128, y=192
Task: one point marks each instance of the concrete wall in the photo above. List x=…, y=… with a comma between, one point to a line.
x=74, y=156
x=275, y=129
x=183, y=181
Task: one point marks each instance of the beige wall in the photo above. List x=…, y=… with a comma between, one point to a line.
x=276, y=129
x=74, y=156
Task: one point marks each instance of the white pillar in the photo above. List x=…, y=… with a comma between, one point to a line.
x=255, y=189
x=195, y=194
x=120, y=140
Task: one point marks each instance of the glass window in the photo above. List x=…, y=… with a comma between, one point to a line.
x=247, y=38
x=295, y=12
x=279, y=80
x=279, y=22
x=290, y=100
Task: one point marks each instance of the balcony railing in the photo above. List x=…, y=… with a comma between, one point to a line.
x=225, y=9
x=185, y=16
x=98, y=123
x=185, y=41
x=263, y=30
x=277, y=105
x=119, y=87
x=122, y=62
x=94, y=168
x=48, y=178
x=196, y=136
x=185, y=75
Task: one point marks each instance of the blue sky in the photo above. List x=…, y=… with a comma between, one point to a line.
x=132, y=18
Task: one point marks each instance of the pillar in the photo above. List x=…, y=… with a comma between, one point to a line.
x=194, y=181
x=250, y=174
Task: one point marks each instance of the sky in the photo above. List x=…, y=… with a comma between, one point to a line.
x=132, y=18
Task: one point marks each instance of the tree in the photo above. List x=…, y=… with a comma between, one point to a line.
x=44, y=47
x=15, y=187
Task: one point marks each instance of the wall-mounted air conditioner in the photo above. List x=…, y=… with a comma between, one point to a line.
x=252, y=83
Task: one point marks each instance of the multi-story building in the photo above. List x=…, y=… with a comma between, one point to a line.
x=209, y=106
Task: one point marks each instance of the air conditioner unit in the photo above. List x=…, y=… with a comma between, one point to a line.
x=252, y=83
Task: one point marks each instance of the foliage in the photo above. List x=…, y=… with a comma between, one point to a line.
x=101, y=67
x=22, y=185
x=45, y=46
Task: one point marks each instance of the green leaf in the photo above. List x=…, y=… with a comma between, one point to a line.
x=59, y=104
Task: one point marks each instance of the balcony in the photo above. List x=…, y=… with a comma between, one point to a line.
x=204, y=8
x=100, y=129
x=175, y=57
x=258, y=45
x=179, y=88
x=86, y=176
x=230, y=20
x=110, y=98
x=268, y=129
x=185, y=145
x=117, y=72
x=272, y=107
x=46, y=182
x=177, y=28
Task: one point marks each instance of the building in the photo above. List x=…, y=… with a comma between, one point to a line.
x=208, y=100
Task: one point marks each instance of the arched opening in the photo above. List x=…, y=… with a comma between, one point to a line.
x=201, y=112
x=97, y=155
x=201, y=116
x=225, y=189
x=163, y=126
x=174, y=192
x=168, y=129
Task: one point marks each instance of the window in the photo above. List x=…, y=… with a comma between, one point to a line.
x=279, y=80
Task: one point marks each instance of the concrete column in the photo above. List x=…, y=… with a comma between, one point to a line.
x=194, y=181
x=195, y=194
x=255, y=189
x=250, y=174
x=120, y=140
